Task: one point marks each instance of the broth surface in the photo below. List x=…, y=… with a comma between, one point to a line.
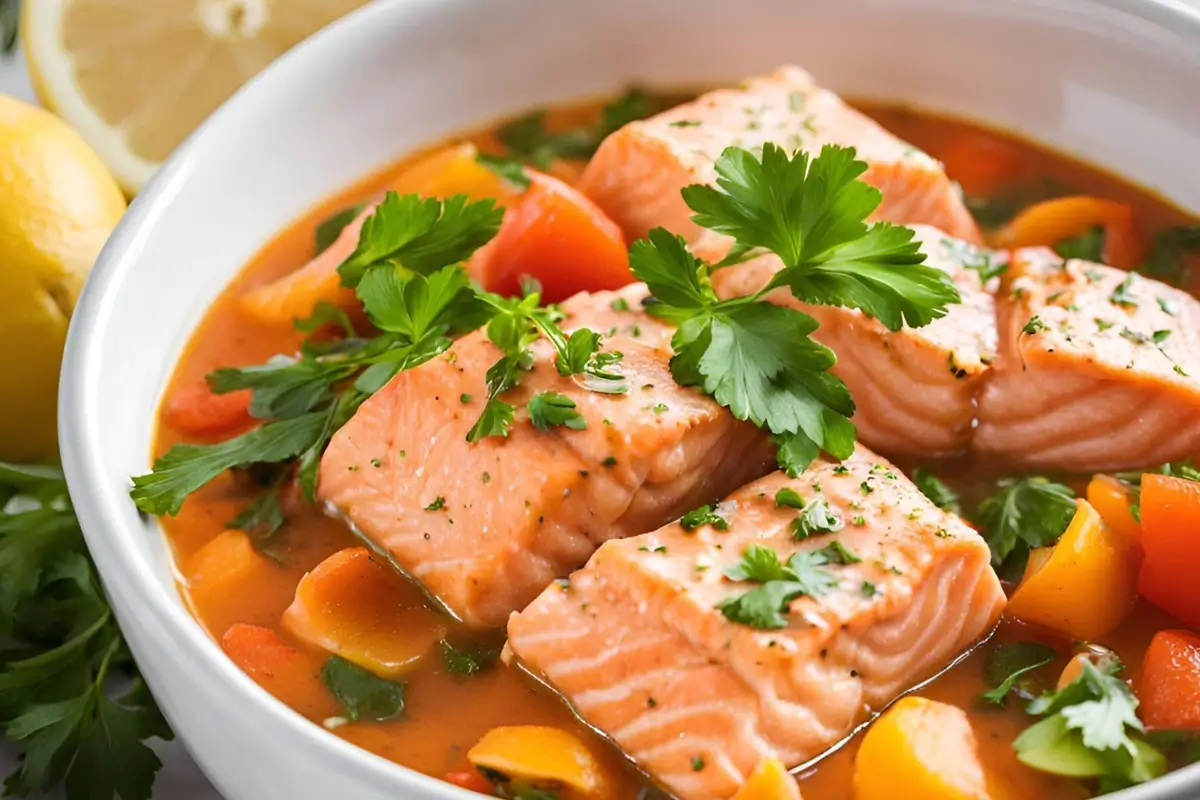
x=445, y=715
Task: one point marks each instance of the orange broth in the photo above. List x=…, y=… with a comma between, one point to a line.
x=445, y=715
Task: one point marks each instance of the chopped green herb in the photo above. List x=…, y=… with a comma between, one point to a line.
x=1167, y=305
x=815, y=518
x=1123, y=295
x=620, y=304
x=868, y=589
x=1087, y=246
x=763, y=606
x=837, y=553
x=938, y=492
x=551, y=409
x=1161, y=336
x=1103, y=324
x=1008, y=664
x=660, y=408
x=365, y=697
x=704, y=515
x=685, y=123
x=697, y=763
x=1035, y=325
x=788, y=497
x=463, y=661
x=1024, y=513
x=528, y=139
x=508, y=168
x=437, y=505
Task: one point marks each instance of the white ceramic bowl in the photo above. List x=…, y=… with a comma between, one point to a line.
x=1115, y=81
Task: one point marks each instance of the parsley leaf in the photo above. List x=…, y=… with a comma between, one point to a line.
x=704, y=515
x=1024, y=513
x=1090, y=730
x=365, y=697
x=816, y=517
x=1007, y=664
x=421, y=233
x=528, y=139
x=464, y=661
x=1166, y=261
x=63, y=644
x=763, y=606
x=331, y=228
x=938, y=492
x=548, y=409
x=757, y=358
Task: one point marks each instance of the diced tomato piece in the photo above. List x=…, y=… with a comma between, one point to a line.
x=197, y=410
x=560, y=238
x=470, y=780
x=1169, y=689
x=1170, y=512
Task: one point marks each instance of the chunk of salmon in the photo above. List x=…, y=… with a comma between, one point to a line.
x=485, y=527
x=1098, y=369
x=636, y=644
x=638, y=171
x=914, y=389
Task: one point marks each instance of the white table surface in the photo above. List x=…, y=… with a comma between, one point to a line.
x=180, y=778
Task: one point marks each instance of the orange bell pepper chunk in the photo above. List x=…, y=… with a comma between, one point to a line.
x=559, y=237
x=1085, y=585
x=1052, y=221
x=447, y=172
x=1169, y=689
x=539, y=755
x=217, y=574
x=981, y=164
x=288, y=673
x=920, y=749
x=1170, y=510
x=769, y=781
x=196, y=410
x=1110, y=498
x=356, y=607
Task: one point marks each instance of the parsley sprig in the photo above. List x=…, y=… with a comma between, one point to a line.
x=406, y=272
x=758, y=359
x=1022, y=514
x=70, y=695
x=1090, y=729
x=779, y=584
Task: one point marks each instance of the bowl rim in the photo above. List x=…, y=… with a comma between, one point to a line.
x=95, y=497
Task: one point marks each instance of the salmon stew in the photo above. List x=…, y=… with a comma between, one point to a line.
x=752, y=444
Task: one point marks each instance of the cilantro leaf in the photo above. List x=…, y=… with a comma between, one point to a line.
x=365, y=697
x=938, y=492
x=1007, y=664
x=1024, y=513
x=758, y=563
x=421, y=233
x=763, y=606
x=549, y=409
x=331, y=228
x=464, y=661
x=1090, y=729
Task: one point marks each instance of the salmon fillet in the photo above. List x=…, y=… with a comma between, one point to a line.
x=1106, y=376
x=636, y=174
x=914, y=389
x=635, y=643
x=484, y=527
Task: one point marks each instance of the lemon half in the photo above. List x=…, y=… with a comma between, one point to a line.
x=135, y=77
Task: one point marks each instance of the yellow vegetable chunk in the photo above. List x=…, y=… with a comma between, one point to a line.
x=920, y=750
x=538, y=755
x=1086, y=584
x=218, y=573
x=356, y=607
x=1111, y=500
x=769, y=781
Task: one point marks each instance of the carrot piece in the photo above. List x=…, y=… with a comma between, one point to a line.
x=1086, y=586
x=769, y=781
x=920, y=749
x=218, y=573
x=197, y=410
x=559, y=237
x=450, y=171
x=288, y=673
x=1052, y=221
x=356, y=607
x=539, y=754
x=1110, y=498
x=1169, y=689
x=471, y=781
x=981, y=164
x=1171, y=538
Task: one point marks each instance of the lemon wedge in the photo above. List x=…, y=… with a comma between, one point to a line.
x=58, y=205
x=136, y=77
